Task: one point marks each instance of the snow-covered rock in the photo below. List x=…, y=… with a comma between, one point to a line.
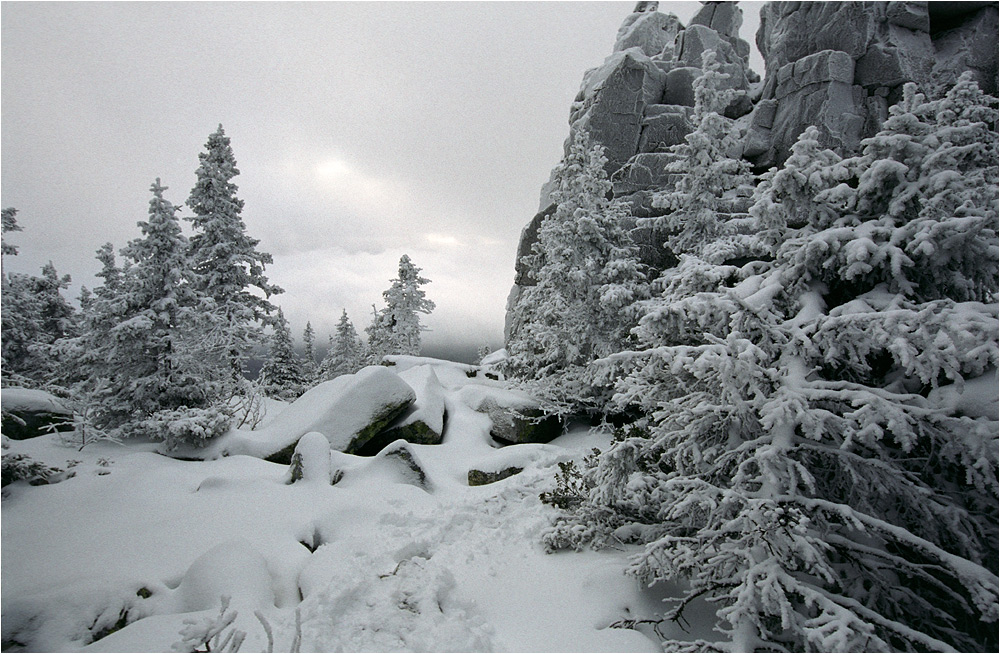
x=311, y=460
x=231, y=569
x=40, y=413
x=423, y=421
x=396, y=464
x=349, y=410
x=516, y=416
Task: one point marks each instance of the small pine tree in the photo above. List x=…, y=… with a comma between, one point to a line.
x=309, y=368
x=396, y=328
x=345, y=355
x=225, y=258
x=281, y=373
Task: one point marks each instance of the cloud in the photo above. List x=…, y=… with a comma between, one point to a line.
x=469, y=287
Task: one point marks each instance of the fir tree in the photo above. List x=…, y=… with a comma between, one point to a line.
x=587, y=276
x=396, y=328
x=225, y=258
x=796, y=468
x=346, y=353
x=9, y=216
x=153, y=367
x=281, y=373
x=34, y=316
x=309, y=368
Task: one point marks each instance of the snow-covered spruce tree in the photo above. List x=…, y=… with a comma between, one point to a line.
x=396, y=328
x=309, y=367
x=9, y=224
x=587, y=275
x=226, y=259
x=154, y=380
x=711, y=177
x=346, y=354
x=281, y=373
x=799, y=469
x=34, y=316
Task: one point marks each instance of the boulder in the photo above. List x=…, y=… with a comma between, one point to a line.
x=529, y=235
x=696, y=39
x=349, y=411
x=678, y=87
x=519, y=420
x=481, y=478
x=652, y=32
x=423, y=422
x=723, y=17
x=399, y=463
x=28, y=413
x=965, y=40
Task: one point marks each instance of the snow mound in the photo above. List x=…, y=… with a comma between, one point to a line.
x=348, y=410
x=233, y=569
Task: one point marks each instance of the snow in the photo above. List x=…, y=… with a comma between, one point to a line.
x=338, y=409
x=976, y=398
x=429, y=406
x=27, y=399
x=375, y=562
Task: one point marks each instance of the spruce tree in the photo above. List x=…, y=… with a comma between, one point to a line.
x=396, y=328
x=798, y=466
x=346, y=354
x=309, y=368
x=587, y=277
x=226, y=258
x=9, y=224
x=281, y=373
x=151, y=365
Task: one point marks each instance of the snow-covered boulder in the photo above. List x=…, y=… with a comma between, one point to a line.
x=516, y=416
x=349, y=410
x=311, y=460
x=233, y=569
x=28, y=413
x=423, y=421
x=396, y=464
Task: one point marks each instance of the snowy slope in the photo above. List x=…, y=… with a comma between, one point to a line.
x=374, y=562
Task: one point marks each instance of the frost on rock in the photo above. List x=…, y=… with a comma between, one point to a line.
x=516, y=416
x=349, y=410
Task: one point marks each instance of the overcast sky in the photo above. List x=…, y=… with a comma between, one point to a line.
x=362, y=131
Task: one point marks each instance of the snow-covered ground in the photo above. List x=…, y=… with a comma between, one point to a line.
x=377, y=562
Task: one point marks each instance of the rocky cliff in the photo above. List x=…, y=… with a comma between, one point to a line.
x=836, y=65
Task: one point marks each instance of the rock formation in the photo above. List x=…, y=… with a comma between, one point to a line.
x=836, y=65
x=841, y=65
